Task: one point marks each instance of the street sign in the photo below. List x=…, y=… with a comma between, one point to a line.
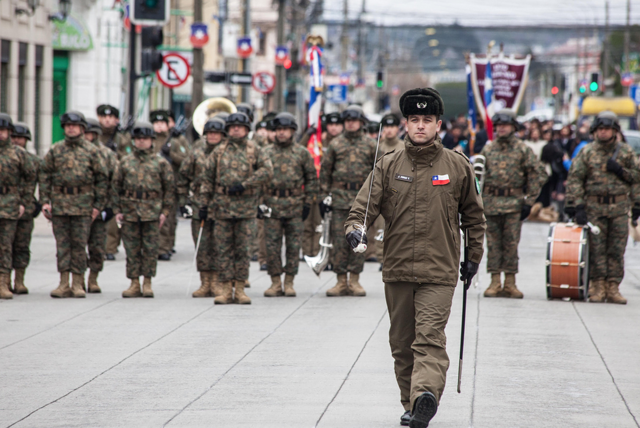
x=634, y=93
x=337, y=94
x=244, y=47
x=627, y=79
x=282, y=54
x=264, y=82
x=235, y=78
x=175, y=70
x=199, y=35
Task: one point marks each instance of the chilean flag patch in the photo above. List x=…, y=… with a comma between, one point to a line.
x=439, y=180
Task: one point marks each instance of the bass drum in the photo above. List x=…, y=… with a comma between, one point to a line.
x=567, y=262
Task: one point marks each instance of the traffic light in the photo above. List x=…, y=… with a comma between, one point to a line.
x=151, y=38
x=593, y=86
x=583, y=89
x=380, y=80
x=555, y=90
x=149, y=12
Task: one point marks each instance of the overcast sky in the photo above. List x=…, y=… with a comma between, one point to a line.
x=487, y=12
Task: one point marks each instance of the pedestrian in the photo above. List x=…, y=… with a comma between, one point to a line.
x=145, y=194
x=512, y=182
x=72, y=196
x=345, y=167
x=421, y=191
x=289, y=195
x=603, y=186
x=98, y=234
x=18, y=178
x=233, y=177
x=188, y=185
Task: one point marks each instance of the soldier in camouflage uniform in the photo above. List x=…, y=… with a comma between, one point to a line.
x=188, y=187
x=603, y=185
x=98, y=235
x=263, y=130
x=233, y=176
x=289, y=195
x=174, y=152
x=182, y=139
x=73, y=195
x=511, y=170
x=145, y=194
x=17, y=182
x=22, y=241
x=345, y=166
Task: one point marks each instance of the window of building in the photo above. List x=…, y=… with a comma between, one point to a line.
x=37, y=111
x=5, y=55
x=262, y=43
x=22, y=79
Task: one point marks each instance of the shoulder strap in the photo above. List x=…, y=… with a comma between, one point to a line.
x=251, y=156
x=615, y=153
x=223, y=148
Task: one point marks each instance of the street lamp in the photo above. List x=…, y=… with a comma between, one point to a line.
x=63, y=12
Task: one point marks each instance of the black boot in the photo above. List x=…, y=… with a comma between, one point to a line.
x=164, y=257
x=424, y=409
x=405, y=418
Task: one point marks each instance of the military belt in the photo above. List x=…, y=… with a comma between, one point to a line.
x=496, y=191
x=140, y=194
x=73, y=190
x=285, y=193
x=347, y=185
x=224, y=190
x=4, y=190
x=608, y=199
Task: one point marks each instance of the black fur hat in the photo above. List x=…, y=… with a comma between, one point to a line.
x=422, y=101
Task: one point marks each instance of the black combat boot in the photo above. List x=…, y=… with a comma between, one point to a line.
x=424, y=409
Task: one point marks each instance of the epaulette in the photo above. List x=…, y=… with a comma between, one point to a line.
x=463, y=155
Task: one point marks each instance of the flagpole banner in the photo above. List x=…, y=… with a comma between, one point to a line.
x=509, y=77
x=316, y=69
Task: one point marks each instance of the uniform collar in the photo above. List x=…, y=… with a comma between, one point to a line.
x=506, y=141
x=353, y=135
x=238, y=142
x=141, y=154
x=74, y=141
x=604, y=146
x=5, y=143
x=284, y=145
x=423, y=154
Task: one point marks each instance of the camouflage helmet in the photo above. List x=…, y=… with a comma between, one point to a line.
x=284, y=120
x=607, y=119
x=268, y=118
x=222, y=115
x=238, y=118
x=505, y=116
x=21, y=129
x=354, y=112
x=73, y=118
x=93, y=126
x=215, y=125
x=5, y=121
x=247, y=109
x=142, y=129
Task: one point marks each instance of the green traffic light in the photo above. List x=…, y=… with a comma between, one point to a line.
x=151, y=3
x=593, y=86
x=380, y=84
x=582, y=89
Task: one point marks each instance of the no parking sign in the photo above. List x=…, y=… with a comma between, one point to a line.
x=263, y=82
x=175, y=70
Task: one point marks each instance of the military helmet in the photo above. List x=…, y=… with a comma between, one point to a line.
x=93, y=126
x=284, y=120
x=5, y=121
x=607, y=119
x=73, y=117
x=246, y=109
x=334, y=117
x=21, y=129
x=354, y=112
x=107, y=110
x=142, y=129
x=421, y=101
x=222, y=115
x=505, y=116
x=390, y=119
x=372, y=127
x=159, y=116
x=269, y=119
x=238, y=118
x=215, y=125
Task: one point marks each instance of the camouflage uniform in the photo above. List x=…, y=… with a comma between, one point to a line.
x=294, y=184
x=511, y=167
x=232, y=162
x=607, y=199
x=345, y=166
x=76, y=182
x=145, y=189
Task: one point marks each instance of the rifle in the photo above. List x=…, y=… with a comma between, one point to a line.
x=180, y=128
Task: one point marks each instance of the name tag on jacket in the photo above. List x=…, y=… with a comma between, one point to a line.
x=404, y=178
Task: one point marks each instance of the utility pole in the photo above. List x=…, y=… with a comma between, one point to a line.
x=605, y=59
x=345, y=36
x=627, y=38
x=281, y=75
x=246, y=63
x=132, y=70
x=198, y=63
x=361, y=45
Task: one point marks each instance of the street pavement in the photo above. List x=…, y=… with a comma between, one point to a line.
x=307, y=361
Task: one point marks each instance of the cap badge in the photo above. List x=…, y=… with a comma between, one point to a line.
x=107, y=111
x=422, y=105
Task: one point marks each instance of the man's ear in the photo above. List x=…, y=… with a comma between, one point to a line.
x=439, y=126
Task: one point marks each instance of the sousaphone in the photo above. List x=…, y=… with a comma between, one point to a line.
x=208, y=109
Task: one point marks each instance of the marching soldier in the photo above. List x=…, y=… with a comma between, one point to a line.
x=17, y=183
x=421, y=191
x=289, y=196
x=345, y=167
x=98, y=234
x=188, y=186
x=175, y=152
x=22, y=241
x=145, y=188
x=603, y=185
x=513, y=180
x=233, y=176
x=262, y=130
x=73, y=195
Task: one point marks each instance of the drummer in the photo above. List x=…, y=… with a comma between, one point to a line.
x=603, y=185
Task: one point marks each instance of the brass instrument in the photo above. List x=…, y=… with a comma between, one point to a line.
x=320, y=261
x=479, y=167
x=208, y=109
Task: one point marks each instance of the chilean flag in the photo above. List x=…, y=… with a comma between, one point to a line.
x=439, y=180
x=314, y=58
x=489, y=101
